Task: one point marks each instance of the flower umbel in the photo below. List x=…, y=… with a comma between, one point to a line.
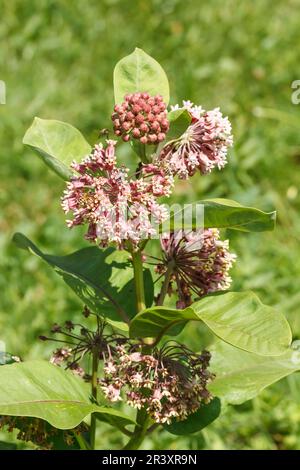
x=170, y=383
x=142, y=117
x=116, y=208
x=79, y=342
x=203, y=146
x=200, y=261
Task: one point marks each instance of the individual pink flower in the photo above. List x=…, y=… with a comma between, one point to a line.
x=203, y=146
x=116, y=208
x=200, y=263
x=141, y=117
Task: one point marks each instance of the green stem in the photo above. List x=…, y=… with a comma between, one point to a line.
x=82, y=442
x=94, y=395
x=165, y=286
x=140, y=431
x=141, y=417
x=139, y=280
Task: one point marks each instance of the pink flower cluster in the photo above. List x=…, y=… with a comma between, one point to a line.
x=115, y=207
x=201, y=263
x=141, y=117
x=203, y=146
x=170, y=384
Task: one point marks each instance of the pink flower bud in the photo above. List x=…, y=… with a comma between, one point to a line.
x=143, y=140
x=152, y=138
x=145, y=96
x=150, y=117
x=165, y=124
x=135, y=98
x=151, y=101
x=136, y=109
x=136, y=132
x=139, y=119
x=144, y=127
x=146, y=108
x=161, y=136
x=155, y=126
x=155, y=109
x=126, y=126
x=126, y=137
x=130, y=116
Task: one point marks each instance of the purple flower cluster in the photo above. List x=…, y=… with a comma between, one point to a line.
x=142, y=117
x=169, y=384
x=116, y=208
x=203, y=146
x=200, y=261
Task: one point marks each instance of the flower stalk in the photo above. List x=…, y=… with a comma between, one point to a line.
x=94, y=382
x=137, y=263
x=140, y=431
x=165, y=285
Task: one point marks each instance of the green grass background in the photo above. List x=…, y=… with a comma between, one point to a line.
x=57, y=59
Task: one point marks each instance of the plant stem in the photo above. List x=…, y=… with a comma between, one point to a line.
x=165, y=286
x=140, y=431
x=82, y=442
x=141, y=416
x=94, y=395
x=139, y=280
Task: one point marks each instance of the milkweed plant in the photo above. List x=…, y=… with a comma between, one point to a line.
x=148, y=269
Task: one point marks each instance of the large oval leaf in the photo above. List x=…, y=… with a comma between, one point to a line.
x=239, y=318
x=57, y=143
x=219, y=213
x=42, y=390
x=196, y=421
x=103, y=279
x=139, y=72
x=240, y=375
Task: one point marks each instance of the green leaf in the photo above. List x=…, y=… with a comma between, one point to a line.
x=117, y=419
x=220, y=213
x=240, y=375
x=196, y=421
x=41, y=390
x=7, y=446
x=57, y=143
x=139, y=72
x=239, y=318
x=103, y=279
x=180, y=119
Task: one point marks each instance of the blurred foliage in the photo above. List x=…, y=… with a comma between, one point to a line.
x=57, y=58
